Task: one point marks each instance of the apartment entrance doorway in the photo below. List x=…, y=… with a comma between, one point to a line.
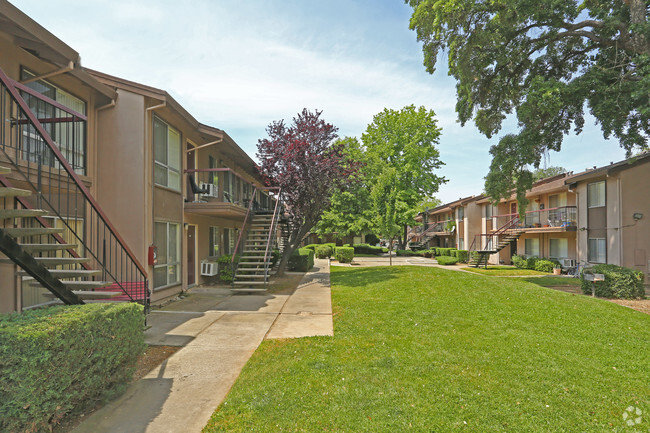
x=191, y=255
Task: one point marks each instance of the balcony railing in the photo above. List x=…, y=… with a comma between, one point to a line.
x=224, y=185
x=564, y=217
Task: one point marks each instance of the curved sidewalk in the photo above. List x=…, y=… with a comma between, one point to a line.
x=219, y=332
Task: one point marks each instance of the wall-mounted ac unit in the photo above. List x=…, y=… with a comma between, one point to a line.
x=568, y=263
x=209, y=269
x=213, y=191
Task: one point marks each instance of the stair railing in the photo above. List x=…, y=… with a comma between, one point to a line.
x=489, y=237
x=32, y=151
x=272, y=234
x=243, y=234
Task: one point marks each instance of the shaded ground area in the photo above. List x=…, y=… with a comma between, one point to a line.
x=430, y=350
x=199, y=344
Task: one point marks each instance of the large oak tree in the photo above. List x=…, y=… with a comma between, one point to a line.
x=547, y=61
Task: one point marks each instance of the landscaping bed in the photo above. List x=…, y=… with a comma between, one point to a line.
x=502, y=271
x=426, y=349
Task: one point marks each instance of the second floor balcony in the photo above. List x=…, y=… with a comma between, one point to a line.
x=558, y=219
x=223, y=192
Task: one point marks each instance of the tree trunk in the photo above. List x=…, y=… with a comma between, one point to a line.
x=390, y=252
x=294, y=242
x=638, y=16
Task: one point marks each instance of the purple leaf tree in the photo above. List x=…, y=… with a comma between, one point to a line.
x=309, y=164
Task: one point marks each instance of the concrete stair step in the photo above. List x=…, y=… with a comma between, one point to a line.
x=34, y=248
x=249, y=283
x=68, y=273
x=252, y=276
x=21, y=213
x=54, y=261
x=36, y=231
x=14, y=192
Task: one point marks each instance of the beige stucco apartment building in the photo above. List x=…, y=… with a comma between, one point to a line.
x=133, y=171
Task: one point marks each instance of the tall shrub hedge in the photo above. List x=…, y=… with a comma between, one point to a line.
x=324, y=251
x=60, y=360
x=344, y=254
x=367, y=249
x=620, y=282
x=301, y=260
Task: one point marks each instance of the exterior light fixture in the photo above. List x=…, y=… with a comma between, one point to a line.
x=637, y=216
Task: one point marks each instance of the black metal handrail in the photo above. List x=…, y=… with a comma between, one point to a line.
x=272, y=236
x=36, y=157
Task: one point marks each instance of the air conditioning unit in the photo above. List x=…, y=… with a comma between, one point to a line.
x=568, y=263
x=213, y=191
x=209, y=269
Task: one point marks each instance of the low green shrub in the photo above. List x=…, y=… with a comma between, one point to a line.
x=452, y=252
x=462, y=255
x=620, y=282
x=372, y=239
x=530, y=262
x=324, y=251
x=225, y=266
x=447, y=260
x=301, y=260
x=543, y=265
x=519, y=262
x=367, y=249
x=311, y=247
x=428, y=253
x=61, y=360
x=405, y=253
x=444, y=251
x=344, y=254
x=275, y=256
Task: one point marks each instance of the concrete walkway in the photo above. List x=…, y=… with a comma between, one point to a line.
x=219, y=332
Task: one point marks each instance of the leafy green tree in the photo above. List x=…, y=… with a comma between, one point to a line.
x=386, y=205
x=428, y=203
x=404, y=141
x=543, y=173
x=547, y=61
x=349, y=210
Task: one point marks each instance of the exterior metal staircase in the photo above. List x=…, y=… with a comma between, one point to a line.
x=21, y=240
x=48, y=217
x=252, y=269
x=480, y=252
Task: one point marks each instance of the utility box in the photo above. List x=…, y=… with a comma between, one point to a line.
x=209, y=269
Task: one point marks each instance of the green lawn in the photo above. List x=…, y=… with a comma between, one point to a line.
x=553, y=281
x=503, y=271
x=432, y=350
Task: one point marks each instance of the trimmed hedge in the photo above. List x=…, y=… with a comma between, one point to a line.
x=447, y=260
x=620, y=282
x=344, y=254
x=543, y=265
x=405, y=253
x=462, y=255
x=444, y=251
x=324, y=251
x=301, y=260
x=61, y=360
x=367, y=249
x=519, y=262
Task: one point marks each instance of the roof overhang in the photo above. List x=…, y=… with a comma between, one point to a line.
x=36, y=40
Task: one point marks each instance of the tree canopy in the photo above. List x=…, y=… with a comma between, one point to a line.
x=305, y=160
x=547, y=61
x=398, y=160
x=542, y=173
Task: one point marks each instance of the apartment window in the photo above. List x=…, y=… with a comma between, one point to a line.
x=489, y=210
x=167, y=154
x=559, y=248
x=167, y=239
x=596, y=194
x=461, y=213
x=531, y=247
x=213, y=241
x=70, y=137
x=228, y=246
x=461, y=244
x=596, y=250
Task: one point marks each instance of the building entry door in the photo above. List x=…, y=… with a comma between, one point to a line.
x=191, y=255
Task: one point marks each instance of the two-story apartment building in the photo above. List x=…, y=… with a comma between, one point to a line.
x=97, y=173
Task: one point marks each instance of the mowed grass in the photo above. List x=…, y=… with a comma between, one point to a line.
x=432, y=350
x=503, y=271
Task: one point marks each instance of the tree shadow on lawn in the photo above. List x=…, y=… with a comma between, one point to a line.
x=361, y=277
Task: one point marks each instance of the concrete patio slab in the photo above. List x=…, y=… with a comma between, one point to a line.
x=301, y=325
x=171, y=328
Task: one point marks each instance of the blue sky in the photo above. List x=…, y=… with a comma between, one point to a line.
x=238, y=65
